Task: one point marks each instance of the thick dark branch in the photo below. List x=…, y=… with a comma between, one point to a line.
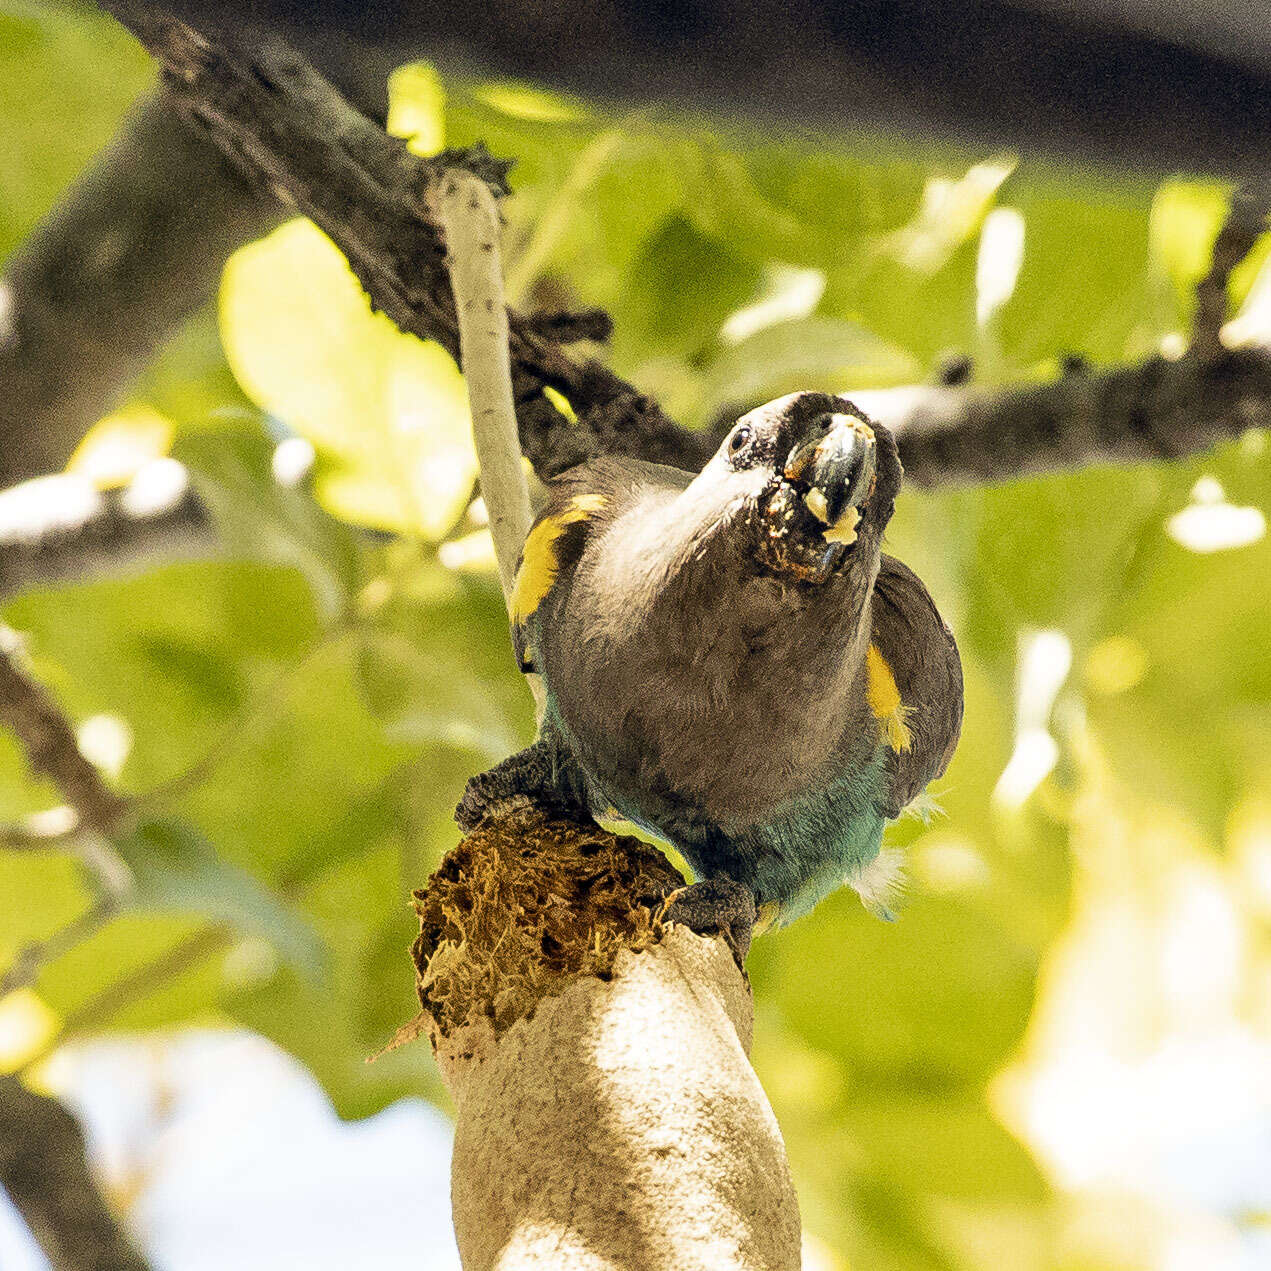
x=275, y=115
x=280, y=121
x=132, y=250
x=1155, y=87
x=42, y=1168
x=1155, y=410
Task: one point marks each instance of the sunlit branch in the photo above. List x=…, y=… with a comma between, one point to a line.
x=470, y=218
x=58, y=527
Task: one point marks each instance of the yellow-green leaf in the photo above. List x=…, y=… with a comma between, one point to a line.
x=387, y=413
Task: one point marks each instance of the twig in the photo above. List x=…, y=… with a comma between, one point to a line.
x=51, y=749
x=44, y=1172
x=470, y=218
x=1155, y=410
x=1246, y=222
x=31, y=959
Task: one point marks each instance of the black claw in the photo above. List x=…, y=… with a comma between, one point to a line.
x=717, y=907
x=541, y=774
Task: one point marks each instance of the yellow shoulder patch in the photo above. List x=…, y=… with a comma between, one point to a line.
x=884, y=701
x=539, y=563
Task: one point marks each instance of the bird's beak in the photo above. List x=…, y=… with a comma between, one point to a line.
x=835, y=461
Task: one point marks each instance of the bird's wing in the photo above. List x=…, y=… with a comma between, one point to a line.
x=915, y=682
x=553, y=543
x=579, y=501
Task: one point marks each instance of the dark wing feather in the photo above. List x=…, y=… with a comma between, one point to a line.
x=919, y=647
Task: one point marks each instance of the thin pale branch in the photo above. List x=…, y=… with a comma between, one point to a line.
x=470, y=218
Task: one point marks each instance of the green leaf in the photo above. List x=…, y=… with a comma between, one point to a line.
x=805, y=353
x=387, y=413
x=176, y=870
x=417, y=107
x=1085, y=285
x=257, y=516
x=823, y=206
x=680, y=291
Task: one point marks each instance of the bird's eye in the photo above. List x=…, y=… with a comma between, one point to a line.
x=738, y=440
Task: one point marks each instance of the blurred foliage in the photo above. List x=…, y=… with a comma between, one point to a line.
x=301, y=710
x=67, y=73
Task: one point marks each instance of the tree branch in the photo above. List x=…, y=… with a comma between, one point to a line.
x=276, y=115
x=470, y=218
x=1155, y=410
x=1246, y=222
x=51, y=749
x=607, y=1114
x=57, y=527
x=44, y=1172
x=132, y=250
x=92, y=811
x=289, y=127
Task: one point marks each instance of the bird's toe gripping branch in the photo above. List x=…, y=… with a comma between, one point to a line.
x=542, y=775
x=717, y=907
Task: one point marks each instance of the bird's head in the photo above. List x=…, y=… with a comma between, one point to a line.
x=816, y=478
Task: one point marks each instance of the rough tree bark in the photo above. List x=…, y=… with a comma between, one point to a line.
x=606, y=1113
x=273, y=114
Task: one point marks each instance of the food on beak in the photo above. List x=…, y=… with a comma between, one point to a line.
x=837, y=462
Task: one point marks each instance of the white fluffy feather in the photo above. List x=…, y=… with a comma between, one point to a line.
x=881, y=883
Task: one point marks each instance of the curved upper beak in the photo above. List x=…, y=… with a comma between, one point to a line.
x=835, y=459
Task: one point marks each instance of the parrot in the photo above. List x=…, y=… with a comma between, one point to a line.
x=732, y=663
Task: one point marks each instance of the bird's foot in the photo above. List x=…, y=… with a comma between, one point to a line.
x=716, y=907
x=539, y=775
